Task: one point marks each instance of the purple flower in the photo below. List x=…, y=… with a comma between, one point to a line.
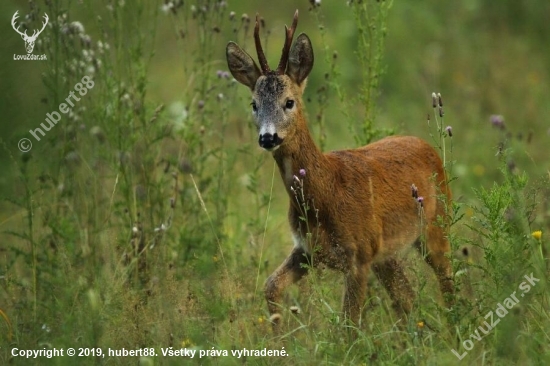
x=421, y=201
x=449, y=131
x=497, y=121
x=302, y=173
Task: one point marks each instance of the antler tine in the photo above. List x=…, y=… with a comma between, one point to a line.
x=288, y=42
x=259, y=50
x=13, y=23
x=44, y=23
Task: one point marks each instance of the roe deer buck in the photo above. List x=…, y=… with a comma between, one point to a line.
x=354, y=210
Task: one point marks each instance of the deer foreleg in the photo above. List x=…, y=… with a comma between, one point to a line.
x=290, y=271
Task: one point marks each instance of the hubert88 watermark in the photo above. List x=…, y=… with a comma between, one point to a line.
x=25, y=144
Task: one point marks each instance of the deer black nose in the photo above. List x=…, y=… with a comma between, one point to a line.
x=269, y=141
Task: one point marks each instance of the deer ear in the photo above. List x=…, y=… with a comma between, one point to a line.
x=242, y=66
x=300, y=60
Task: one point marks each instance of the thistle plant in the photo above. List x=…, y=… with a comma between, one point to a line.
x=305, y=205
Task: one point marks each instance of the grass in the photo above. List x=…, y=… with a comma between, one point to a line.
x=149, y=218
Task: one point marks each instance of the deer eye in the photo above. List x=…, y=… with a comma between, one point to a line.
x=289, y=104
x=254, y=106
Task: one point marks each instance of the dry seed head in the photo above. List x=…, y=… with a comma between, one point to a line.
x=274, y=318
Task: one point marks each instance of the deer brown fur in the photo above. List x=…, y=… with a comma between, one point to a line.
x=357, y=204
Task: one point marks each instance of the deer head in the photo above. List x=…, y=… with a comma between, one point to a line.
x=276, y=95
x=29, y=40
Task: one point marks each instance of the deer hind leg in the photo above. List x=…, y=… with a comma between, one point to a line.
x=290, y=271
x=437, y=246
x=355, y=293
x=390, y=272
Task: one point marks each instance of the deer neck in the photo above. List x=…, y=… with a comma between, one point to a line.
x=303, y=153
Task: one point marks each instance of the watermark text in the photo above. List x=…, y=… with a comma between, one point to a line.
x=80, y=89
x=501, y=311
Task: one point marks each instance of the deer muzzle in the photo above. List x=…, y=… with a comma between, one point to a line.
x=270, y=141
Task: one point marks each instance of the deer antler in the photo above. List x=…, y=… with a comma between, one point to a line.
x=259, y=50
x=15, y=16
x=288, y=42
x=35, y=33
x=43, y=25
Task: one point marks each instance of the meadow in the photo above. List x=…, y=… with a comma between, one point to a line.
x=149, y=218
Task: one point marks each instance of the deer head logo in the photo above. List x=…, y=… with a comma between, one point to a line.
x=29, y=40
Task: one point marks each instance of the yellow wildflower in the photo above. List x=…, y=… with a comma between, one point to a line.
x=420, y=324
x=536, y=234
x=186, y=343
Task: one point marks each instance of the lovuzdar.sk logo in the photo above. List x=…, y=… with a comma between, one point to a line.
x=29, y=40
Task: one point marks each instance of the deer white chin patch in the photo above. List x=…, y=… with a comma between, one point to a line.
x=272, y=149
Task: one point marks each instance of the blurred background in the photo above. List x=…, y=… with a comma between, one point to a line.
x=485, y=58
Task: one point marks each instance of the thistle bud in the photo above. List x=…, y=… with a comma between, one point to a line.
x=414, y=191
